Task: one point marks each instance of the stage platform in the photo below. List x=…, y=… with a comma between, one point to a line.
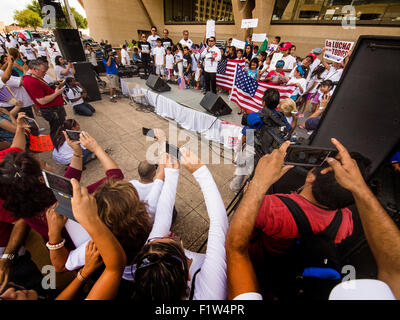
x=189, y=98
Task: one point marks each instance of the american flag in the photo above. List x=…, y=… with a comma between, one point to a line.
x=226, y=72
x=201, y=48
x=248, y=93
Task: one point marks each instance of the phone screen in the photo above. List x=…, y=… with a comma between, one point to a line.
x=56, y=182
x=73, y=135
x=308, y=156
x=34, y=128
x=173, y=151
x=148, y=132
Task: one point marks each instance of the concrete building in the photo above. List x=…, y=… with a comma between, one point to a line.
x=306, y=23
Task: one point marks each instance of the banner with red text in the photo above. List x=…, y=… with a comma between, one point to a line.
x=337, y=50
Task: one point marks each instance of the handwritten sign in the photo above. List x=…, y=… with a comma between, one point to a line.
x=210, y=29
x=249, y=23
x=238, y=44
x=259, y=37
x=337, y=50
x=275, y=58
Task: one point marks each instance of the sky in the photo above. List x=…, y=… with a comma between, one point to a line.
x=7, y=8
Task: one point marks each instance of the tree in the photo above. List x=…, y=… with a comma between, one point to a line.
x=35, y=7
x=27, y=17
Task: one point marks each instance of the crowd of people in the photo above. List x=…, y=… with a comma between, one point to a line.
x=119, y=240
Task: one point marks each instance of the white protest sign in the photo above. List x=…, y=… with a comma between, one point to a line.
x=210, y=29
x=259, y=37
x=275, y=58
x=249, y=23
x=238, y=44
x=337, y=50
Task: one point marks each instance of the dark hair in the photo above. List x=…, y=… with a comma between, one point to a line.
x=311, y=57
x=306, y=71
x=255, y=60
x=57, y=60
x=263, y=54
x=59, y=138
x=278, y=38
x=271, y=98
x=165, y=280
x=240, y=50
x=124, y=46
x=250, y=54
x=122, y=211
x=328, y=192
x=24, y=195
x=154, y=27
x=318, y=71
x=256, y=48
x=159, y=40
x=328, y=83
x=135, y=49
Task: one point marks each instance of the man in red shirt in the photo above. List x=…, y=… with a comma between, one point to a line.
x=48, y=100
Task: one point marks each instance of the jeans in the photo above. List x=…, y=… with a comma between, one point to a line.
x=211, y=81
x=55, y=116
x=86, y=155
x=84, y=109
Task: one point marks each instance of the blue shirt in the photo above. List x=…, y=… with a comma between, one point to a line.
x=112, y=69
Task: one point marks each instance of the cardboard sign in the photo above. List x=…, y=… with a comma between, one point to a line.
x=275, y=58
x=259, y=37
x=337, y=50
x=210, y=29
x=40, y=143
x=249, y=23
x=238, y=44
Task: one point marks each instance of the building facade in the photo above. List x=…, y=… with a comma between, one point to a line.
x=306, y=23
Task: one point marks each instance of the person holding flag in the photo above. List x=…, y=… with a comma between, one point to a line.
x=211, y=57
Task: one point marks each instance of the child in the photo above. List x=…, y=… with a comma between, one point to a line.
x=158, y=53
x=276, y=76
x=136, y=58
x=263, y=72
x=178, y=65
x=326, y=88
x=240, y=54
x=255, y=50
x=252, y=72
x=299, y=79
x=312, y=97
x=273, y=46
x=169, y=65
x=288, y=108
x=196, y=70
x=75, y=94
x=187, y=65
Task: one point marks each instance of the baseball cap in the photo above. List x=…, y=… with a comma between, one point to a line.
x=286, y=46
x=312, y=55
x=317, y=50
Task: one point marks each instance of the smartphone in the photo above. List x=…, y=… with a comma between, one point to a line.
x=73, y=135
x=173, y=151
x=34, y=127
x=148, y=132
x=58, y=183
x=307, y=156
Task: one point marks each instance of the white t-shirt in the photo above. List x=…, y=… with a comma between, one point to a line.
x=187, y=43
x=249, y=296
x=30, y=53
x=125, y=57
x=195, y=60
x=64, y=154
x=333, y=74
x=41, y=51
x=290, y=61
x=209, y=65
x=300, y=81
x=143, y=189
x=74, y=95
x=153, y=40
x=169, y=61
x=60, y=76
x=158, y=53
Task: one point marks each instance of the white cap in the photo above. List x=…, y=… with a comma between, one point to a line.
x=362, y=289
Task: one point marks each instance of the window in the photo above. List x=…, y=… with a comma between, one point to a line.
x=198, y=11
x=368, y=12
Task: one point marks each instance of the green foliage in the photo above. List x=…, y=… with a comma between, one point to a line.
x=27, y=17
x=35, y=7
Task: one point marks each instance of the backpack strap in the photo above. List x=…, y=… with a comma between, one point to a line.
x=333, y=228
x=298, y=215
x=192, y=289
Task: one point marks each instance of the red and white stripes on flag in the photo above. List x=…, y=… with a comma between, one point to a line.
x=253, y=104
x=225, y=80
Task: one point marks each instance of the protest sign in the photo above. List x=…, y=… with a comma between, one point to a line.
x=259, y=37
x=210, y=29
x=249, y=23
x=337, y=50
x=275, y=58
x=238, y=44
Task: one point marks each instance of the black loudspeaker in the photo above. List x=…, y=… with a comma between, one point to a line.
x=85, y=75
x=364, y=111
x=70, y=44
x=214, y=104
x=157, y=84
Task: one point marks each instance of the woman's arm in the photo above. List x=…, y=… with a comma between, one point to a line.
x=85, y=211
x=7, y=72
x=8, y=126
x=19, y=140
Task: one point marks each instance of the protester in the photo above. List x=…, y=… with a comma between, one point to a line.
x=185, y=41
x=41, y=50
x=145, y=50
x=48, y=100
x=299, y=79
x=289, y=60
x=248, y=54
x=64, y=70
x=196, y=69
x=169, y=65
x=240, y=55
x=125, y=59
x=178, y=64
x=62, y=152
x=152, y=39
x=288, y=108
x=187, y=66
x=8, y=123
x=166, y=40
x=211, y=57
x=158, y=52
x=274, y=45
x=27, y=51
x=253, y=71
x=276, y=76
x=312, y=93
x=19, y=66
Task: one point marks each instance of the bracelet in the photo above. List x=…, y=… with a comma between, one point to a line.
x=55, y=246
x=78, y=155
x=80, y=277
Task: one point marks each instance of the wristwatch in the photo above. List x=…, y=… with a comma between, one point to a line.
x=9, y=256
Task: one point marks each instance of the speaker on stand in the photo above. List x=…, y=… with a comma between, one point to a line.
x=157, y=84
x=214, y=104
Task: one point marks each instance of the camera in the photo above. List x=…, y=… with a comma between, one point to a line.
x=54, y=84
